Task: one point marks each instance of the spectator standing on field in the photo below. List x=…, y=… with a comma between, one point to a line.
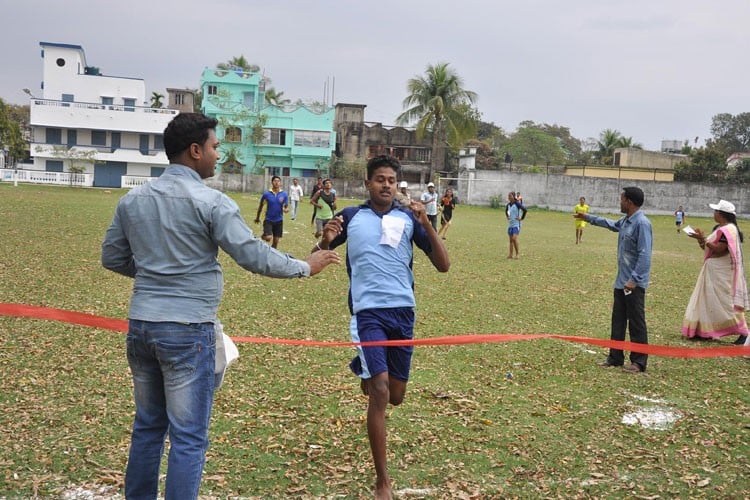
x=430, y=202
x=166, y=234
x=634, y=243
x=295, y=195
x=581, y=208
x=515, y=212
x=679, y=218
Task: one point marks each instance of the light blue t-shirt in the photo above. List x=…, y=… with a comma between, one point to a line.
x=514, y=213
x=380, y=275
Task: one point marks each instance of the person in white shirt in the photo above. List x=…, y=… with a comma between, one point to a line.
x=429, y=200
x=295, y=194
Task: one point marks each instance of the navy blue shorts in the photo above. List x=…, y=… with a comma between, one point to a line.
x=513, y=230
x=383, y=324
x=273, y=228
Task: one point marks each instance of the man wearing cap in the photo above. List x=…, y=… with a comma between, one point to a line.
x=634, y=244
x=429, y=200
x=403, y=196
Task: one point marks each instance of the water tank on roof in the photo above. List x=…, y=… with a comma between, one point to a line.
x=671, y=146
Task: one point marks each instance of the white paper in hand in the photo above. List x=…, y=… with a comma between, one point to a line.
x=688, y=230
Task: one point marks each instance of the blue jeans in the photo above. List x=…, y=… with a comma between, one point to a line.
x=173, y=379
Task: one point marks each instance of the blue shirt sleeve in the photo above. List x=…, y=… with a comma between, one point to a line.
x=644, y=243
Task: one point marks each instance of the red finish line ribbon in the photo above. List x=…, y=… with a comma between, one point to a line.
x=119, y=325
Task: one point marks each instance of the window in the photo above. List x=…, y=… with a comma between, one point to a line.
x=249, y=99
x=54, y=136
x=212, y=90
x=159, y=142
x=66, y=98
x=233, y=134
x=129, y=103
x=143, y=143
x=423, y=154
x=274, y=136
x=312, y=138
x=72, y=138
x=108, y=101
x=53, y=166
x=98, y=138
x=179, y=99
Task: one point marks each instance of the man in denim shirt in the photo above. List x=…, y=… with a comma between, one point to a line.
x=166, y=234
x=633, y=269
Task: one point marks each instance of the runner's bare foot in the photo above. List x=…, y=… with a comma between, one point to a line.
x=383, y=490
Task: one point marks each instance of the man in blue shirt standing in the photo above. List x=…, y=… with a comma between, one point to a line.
x=634, y=244
x=379, y=255
x=166, y=234
x=277, y=204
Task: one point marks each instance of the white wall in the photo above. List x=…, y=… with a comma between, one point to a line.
x=71, y=78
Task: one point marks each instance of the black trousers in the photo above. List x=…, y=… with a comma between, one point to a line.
x=628, y=312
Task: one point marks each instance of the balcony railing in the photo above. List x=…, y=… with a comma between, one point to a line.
x=110, y=107
x=43, y=177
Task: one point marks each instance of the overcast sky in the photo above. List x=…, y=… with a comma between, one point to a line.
x=652, y=69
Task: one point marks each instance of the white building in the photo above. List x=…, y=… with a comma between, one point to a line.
x=99, y=124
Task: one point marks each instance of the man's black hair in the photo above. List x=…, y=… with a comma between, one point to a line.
x=634, y=194
x=382, y=161
x=275, y=177
x=186, y=129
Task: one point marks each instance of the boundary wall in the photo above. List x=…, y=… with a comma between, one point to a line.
x=561, y=192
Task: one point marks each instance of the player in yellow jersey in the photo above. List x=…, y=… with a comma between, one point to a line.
x=582, y=207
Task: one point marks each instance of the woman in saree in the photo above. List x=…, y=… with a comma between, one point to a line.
x=719, y=301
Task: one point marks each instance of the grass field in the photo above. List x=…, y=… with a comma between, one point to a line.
x=531, y=419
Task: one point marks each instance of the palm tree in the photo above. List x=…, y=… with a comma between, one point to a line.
x=628, y=142
x=432, y=102
x=239, y=62
x=156, y=99
x=276, y=97
x=608, y=140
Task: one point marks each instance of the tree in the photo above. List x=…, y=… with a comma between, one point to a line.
x=433, y=103
x=156, y=99
x=239, y=63
x=77, y=160
x=628, y=142
x=197, y=100
x=609, y=139
x=486, y=158
x=275, y=97
x=731, y=133
x=11, y=137
x=741, y=173
x=491, y=134
x=355, y=169
x=704, y=165
x=571, y=146
x=531, y=146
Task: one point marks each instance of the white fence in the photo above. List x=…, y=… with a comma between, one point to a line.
x=131, y=181
x=43, y=177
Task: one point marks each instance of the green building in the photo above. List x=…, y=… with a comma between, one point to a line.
x=290, y=140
